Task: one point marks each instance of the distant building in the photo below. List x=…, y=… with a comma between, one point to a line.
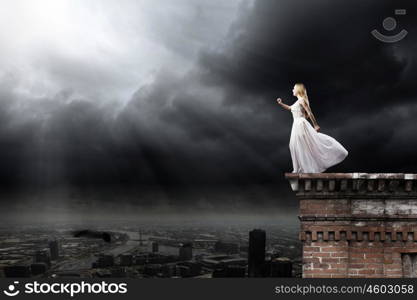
x=229, y=271
x=156, y=258
x=17, y=271
x=281, y=267
x=215, y=261
x=234, y=261
x=38, y=268
x=119, y=272
x=126, y=259
x=155, y=247
x=152, y=269
x=67, y=274
x=185, y=271
x=186, y=251
x=204, y=243
x=225, y=247
x=170, y=258
x=170, y=270
x=43, y=256
x=194, y=268
x=103, y=273
x=105, y=260
x=271, y=254
x=266, y=269
x=256, y=255
x=54, y=249
x=244, y=248
x=140, y=259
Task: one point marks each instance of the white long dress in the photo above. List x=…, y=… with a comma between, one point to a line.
x=312, y=151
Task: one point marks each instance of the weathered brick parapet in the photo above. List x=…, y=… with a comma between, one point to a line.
x=357, y=224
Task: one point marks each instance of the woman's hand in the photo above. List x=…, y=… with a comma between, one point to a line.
x=279, y=100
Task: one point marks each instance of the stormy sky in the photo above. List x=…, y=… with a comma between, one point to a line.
x=171, y=105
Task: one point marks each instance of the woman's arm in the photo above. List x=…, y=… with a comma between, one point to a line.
x=287, y=107
x=310, y=115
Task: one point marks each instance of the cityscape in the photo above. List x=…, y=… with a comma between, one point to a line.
x=123, y=249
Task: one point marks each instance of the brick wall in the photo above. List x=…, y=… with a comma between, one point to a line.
x=357, y=224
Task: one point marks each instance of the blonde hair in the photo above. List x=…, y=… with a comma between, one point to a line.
x=302, y=92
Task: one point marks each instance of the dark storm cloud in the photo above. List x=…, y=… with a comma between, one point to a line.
x=324, y=43
x=214, y=135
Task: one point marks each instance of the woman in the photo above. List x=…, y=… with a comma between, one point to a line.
x=311, y=151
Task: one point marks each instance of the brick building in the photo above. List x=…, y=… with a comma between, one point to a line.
x=357, y=224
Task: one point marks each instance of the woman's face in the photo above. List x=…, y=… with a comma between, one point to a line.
x=294, y=90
